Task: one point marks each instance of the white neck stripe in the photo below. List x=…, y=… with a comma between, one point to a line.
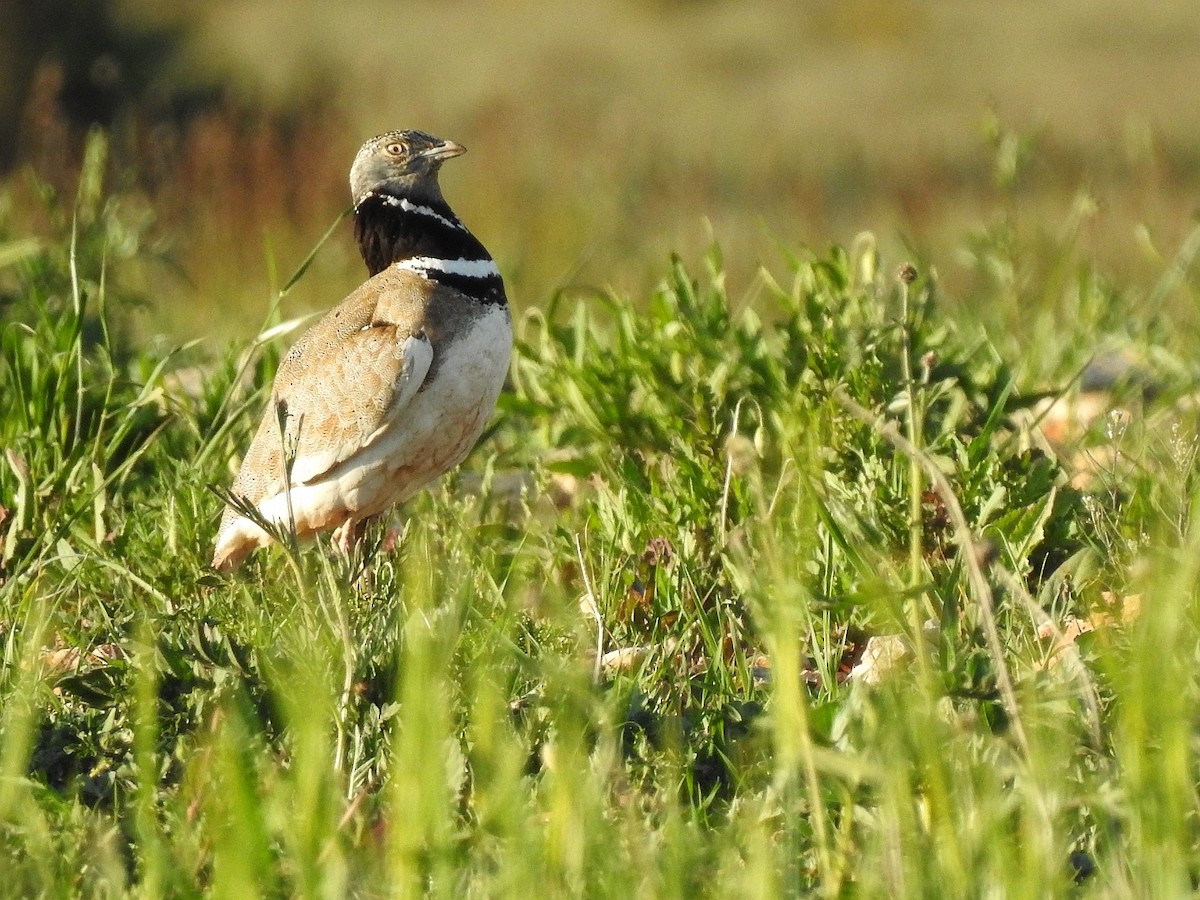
x=409, y=206
x=467, y=268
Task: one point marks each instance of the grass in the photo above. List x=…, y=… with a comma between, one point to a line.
x=609, y=655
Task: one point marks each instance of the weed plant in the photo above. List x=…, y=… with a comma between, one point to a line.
x=609, y=656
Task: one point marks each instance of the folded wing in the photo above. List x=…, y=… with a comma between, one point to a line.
x=341, y=386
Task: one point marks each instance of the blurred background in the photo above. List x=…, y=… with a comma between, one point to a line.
x=606, y=135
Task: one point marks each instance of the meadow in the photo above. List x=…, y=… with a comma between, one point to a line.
x=627, y=648
x=843, y=547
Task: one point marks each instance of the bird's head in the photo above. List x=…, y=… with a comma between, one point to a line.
x=401, y=163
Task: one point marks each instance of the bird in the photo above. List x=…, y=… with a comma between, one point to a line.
x=392, y=387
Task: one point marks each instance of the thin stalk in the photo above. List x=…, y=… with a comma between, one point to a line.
x=335, y=615
x=915, y=427
x=272, y=308
x=918, y=611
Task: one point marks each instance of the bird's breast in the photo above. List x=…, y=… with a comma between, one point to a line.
x=442, y=422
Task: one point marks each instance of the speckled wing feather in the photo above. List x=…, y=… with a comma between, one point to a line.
x=346, y=381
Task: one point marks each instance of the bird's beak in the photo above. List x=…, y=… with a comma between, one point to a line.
x=444, y=150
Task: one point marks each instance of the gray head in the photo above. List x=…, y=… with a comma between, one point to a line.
x=401, y=163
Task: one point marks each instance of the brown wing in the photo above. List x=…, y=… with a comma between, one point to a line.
x=339, y=386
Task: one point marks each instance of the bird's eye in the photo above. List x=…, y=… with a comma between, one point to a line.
x=395, y=149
